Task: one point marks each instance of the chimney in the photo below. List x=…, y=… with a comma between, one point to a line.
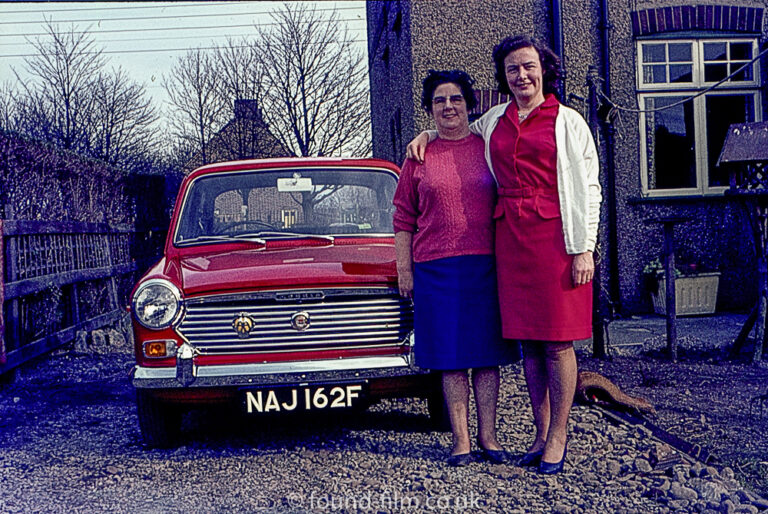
x=247, y=110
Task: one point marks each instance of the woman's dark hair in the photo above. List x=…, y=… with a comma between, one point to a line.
x=550, y=62
x=436, y=78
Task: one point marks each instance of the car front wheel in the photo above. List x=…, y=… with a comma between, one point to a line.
x=160, y=422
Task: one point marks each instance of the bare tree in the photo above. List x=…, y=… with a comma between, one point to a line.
x=315, y=94
x=121, y=120
x=36, y=117
x=64, y=67
x=72, y=102
x=200, y=110
x=238, y=70
x=9, y=107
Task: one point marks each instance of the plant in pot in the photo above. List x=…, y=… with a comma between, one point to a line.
x=695, y=288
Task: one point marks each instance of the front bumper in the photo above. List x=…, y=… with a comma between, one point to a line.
x=187, y=374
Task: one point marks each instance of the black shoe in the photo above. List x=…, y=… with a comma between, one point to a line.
x=552, y=468
x=494, y=456
x=459, y=460
x=531, y=459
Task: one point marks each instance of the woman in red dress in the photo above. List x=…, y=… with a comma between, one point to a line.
x=545, y=164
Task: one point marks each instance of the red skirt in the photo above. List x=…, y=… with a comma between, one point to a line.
x=536, y=293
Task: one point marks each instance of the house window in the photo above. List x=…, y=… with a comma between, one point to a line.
x=681, y=137
x=722, y=58
x=667, y=63
x=289, y=217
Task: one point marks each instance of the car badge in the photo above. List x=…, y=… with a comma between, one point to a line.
x=243, y=324
x=300, y=320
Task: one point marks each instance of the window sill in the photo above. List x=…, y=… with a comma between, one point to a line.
x=678, y=199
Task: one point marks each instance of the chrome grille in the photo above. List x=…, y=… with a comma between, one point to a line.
x=339, y=318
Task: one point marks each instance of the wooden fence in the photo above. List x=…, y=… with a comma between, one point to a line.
x=60, y=278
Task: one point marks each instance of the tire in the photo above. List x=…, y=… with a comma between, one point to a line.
x=9, y=377
x=438, y=410
x=160, y=422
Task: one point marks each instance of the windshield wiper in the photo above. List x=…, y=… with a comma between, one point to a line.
x=220, y=239
x=251, y=238
x=296, y=234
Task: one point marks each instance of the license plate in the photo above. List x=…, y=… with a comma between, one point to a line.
x=304, y=398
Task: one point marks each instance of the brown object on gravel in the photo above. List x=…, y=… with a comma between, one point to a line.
x=593, y=387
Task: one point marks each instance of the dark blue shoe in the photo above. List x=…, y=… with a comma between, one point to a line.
x=495, y=456
x=460, y=460
x=531, y=459
x=552, y=468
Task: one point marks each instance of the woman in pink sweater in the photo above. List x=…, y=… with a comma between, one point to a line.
x=444, y=239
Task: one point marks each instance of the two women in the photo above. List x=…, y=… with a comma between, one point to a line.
x=545, y=165
x=444, y=241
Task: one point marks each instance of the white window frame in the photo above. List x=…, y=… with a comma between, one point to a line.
x=664, y=85
x=755, y=82
x=688, y=89
x=697, y=54
x=701, y=156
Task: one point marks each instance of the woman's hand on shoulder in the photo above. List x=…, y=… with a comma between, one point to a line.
x=417, y=147
x=405, y=283
x=583, y=269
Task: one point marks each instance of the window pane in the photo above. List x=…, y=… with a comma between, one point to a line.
x=714, y=52
x=680, y=73
x=670, y=148
x=715, y=72
x=654, y=53
x=744, y=75
x=656, y=74
x=722, y=111
x=680, y=52
x=741, y=51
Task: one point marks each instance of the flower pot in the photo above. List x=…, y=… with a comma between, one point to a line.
x=694, y=294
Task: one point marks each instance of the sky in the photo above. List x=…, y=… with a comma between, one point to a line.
x=145, y=38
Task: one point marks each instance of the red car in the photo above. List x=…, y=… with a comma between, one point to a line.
x=278, y=293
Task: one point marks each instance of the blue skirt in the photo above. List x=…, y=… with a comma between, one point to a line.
x=457, y=324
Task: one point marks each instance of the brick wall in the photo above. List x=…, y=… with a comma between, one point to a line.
x=697, y=17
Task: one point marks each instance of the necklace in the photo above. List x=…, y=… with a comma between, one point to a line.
x=522, y=115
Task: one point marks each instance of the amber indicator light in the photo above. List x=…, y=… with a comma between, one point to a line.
x=155, y=349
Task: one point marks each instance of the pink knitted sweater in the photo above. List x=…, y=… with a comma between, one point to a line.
x=447, y=202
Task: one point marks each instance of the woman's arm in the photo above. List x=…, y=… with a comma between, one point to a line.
x=578, y=161
x=405, y=223
x=404, y=252
x=418, y=146
x=583, y=269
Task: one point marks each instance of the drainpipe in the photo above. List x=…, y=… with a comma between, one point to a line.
x=557, y=42
x=610, y=170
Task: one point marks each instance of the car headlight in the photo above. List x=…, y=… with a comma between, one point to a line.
x=157, y=303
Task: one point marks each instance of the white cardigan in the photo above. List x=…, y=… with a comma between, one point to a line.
x=578, y=184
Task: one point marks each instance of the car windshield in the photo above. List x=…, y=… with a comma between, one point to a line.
x=266, y=204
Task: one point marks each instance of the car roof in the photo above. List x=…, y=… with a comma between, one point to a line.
x=290, y=162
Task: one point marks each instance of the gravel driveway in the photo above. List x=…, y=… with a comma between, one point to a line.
x=70, y=443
